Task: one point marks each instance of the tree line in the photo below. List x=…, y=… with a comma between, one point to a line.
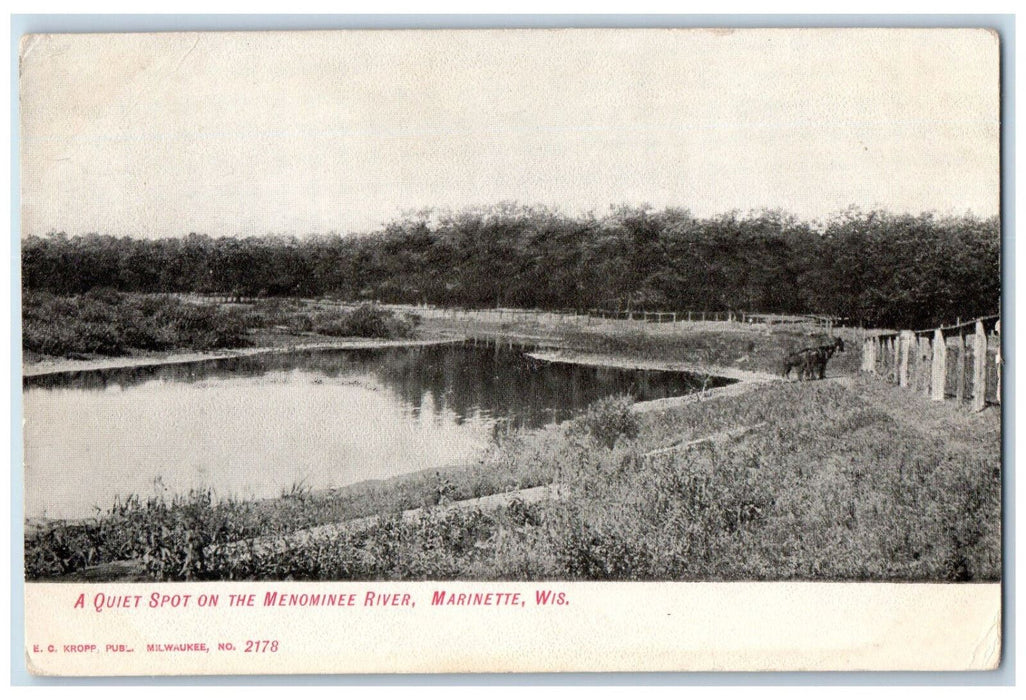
x=872, y=268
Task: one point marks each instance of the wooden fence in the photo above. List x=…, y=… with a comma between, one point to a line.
x=962, y=361
x=592, y=316
x=575, y=316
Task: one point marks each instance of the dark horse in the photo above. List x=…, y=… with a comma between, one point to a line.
x=811, y=362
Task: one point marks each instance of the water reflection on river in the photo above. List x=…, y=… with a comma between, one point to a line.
x=255, y=426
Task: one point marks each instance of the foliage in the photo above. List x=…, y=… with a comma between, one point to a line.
x=170, y=536
x=367, y=321
x=106, y=322
x=876, y=268
x=607, y=421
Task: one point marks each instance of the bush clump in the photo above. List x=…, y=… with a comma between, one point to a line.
x=608, y=420
x=107, y=322
x=368, y=321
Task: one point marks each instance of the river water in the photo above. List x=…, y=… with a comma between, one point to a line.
x=255, y=426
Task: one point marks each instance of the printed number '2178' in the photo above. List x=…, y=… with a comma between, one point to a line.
x=261, y=645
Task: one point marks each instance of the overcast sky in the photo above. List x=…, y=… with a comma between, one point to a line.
x=163, y=134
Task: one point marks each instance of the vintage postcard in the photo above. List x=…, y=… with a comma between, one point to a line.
x=511, y=350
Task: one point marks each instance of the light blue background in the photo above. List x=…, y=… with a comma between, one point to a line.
x=1004, y=24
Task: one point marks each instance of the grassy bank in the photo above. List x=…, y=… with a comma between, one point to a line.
x=860, y=482
x=729, y=345
x=106, y=323
x=754, y=348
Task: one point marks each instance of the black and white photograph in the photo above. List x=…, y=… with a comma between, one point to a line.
x=539, y=307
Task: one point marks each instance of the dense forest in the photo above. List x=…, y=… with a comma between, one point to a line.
x=872, y=268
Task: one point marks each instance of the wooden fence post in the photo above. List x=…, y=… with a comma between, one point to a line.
x=905, y=349
x=921, y=376
x=960, y=387
x=939, y=366
x=869, y=350
x=913, y=363
x=979, y=368
x=895, y=345
x=925, y=358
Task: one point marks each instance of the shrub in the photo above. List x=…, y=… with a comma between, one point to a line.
x=367, y=321
x=106, y=322
x=608, y=420
x=301, y=323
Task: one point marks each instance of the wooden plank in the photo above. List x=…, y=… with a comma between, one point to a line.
x=938, y=366
x=959, y=324
x=714, y=438
x=979, y=367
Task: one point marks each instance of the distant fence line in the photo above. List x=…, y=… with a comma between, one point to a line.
x=568, y=315
x=589, y=316
x=960, y=361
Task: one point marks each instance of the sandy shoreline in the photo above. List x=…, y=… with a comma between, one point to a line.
x=573, y=357
x=746, y=380
x=62, y=366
